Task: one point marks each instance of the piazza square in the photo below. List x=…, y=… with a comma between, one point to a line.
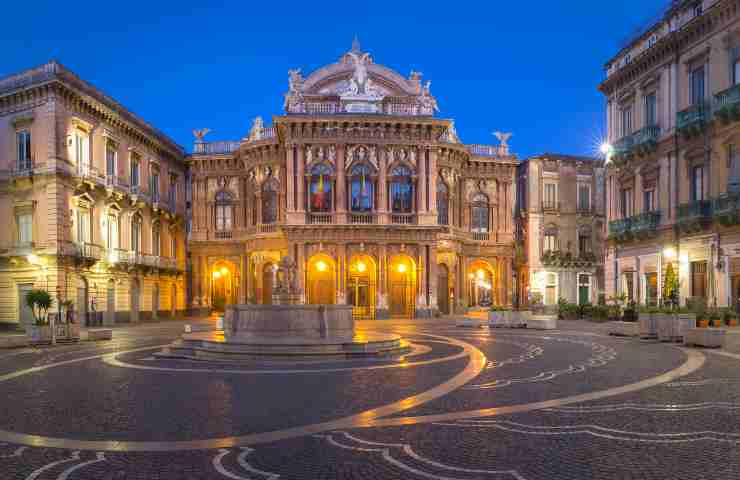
x=355, y=288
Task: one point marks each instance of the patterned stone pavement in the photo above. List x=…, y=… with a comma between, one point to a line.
x=466, y=404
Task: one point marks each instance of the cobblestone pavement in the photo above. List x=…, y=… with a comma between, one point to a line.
x=567, y=404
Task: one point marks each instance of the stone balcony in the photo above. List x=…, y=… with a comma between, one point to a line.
x=561, y=259
x=726, y=208
x=642, y=142
x=620, y=229
x=645, y=225
x=728, y=104
x=694, y=216
x=693, y=120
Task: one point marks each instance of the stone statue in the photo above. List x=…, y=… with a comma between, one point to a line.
x=286, y=291
x=374, y=156
x=332, y=153
x=426, y=100
x=309, y=155
x=199, y=134
x=295, y=81
x=257, y=130
x=503, y=138
x=359, y=77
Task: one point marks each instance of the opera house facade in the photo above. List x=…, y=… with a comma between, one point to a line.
x=373, y=196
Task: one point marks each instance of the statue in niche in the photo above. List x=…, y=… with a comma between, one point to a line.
x=309, y=154
x=332, y=153
x=373, y=158
x=412, y=156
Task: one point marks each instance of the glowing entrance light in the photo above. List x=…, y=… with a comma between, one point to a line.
x=481, y=274
x=321, y=266
x=401, y=268
x=361, y=267
x=216, y=275
x=224, y=271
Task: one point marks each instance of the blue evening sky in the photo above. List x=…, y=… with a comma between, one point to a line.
x=531, y=68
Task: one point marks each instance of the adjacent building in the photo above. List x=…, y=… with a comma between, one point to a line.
x=560, y=208
x=93, y=202
x=674, y=175
x=373, y=196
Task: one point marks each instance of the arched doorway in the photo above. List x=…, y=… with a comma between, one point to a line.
x=361, y=287
x=223, y=285
x=321, y=280
x=481, y=284
x=402, y=286
x=268, y=273
x=443, y=289
x=135, y=300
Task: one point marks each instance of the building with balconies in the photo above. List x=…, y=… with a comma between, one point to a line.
x=561, y=216
x=80, y=181
x=672, y=94
x=376, y=199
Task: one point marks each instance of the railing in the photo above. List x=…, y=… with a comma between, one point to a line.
x=169, y=263
x=401, y=109
x=319, y=218
x=488, y=150
x=623, y=145
x=139, y=191
x=88, y=172
x=319, y=108
x=550, y=206
x=89, y=250
x=114, y=181
x=481, y=236
x=645, y=222
x=223, y=234
x=362, y=218
x=213, y=148
x=646, y=136
x=269, y=132
x=729, y=97
x=267, y=228
x=694, y=210
x=22, y=169
x=585, y=209
x=726, y=208
x=619, y=227
x=403, y=218
x=694, y=115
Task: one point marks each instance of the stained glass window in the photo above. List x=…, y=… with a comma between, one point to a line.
x=362, y=189
x=402, y=190
x=320, y=188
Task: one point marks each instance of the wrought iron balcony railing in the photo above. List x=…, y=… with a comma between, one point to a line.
x=726, y=208
x=693, y=216
x=728, y=104
x=645, y=224
x=620, y=228
x=692, y=118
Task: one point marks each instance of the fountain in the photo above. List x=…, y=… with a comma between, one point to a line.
x=287, y=329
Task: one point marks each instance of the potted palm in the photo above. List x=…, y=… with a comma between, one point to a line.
x=715, y=320
x=39, y=301
x=730, y=318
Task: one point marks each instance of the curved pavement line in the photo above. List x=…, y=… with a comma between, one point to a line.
x=112, y=360
x=476, y=363
x=695, y=360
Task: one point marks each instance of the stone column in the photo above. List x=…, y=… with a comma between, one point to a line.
x=432, y=277
x=381, y=280
x=301, y=182
x=242, y=298
x=509, y=283
x=382, y=206
x=499, y=281
x=195, y=265
x=433, y=185
x=421, y=171
x=290, y=185
x=301, y=264
x=341, y=271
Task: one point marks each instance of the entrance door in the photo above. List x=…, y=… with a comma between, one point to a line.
x=135, y=300
x=584, y=290
x=401, y=300
x=267, y=285
x=25, y=314
x=173, y=301
x=443, y=289
x=651, y=289
x=82, y=304
x=110, y=311
x=360, y=295
x=735, y=293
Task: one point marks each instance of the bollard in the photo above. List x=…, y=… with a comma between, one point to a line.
x=188, y=329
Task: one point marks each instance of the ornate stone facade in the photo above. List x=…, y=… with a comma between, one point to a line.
x=376, y=199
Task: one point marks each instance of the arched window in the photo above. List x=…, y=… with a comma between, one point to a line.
x=269, y=203
x=136, y=233
x=224, y=211
x=402, y=190
x=443, y=203
x=362, y=188
x=550, y=240
x=156, y=240
x=320, y=188
x=479, y=213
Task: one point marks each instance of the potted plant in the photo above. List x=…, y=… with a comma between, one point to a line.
x=715, y=319
x=730, y=317
x=39, y=301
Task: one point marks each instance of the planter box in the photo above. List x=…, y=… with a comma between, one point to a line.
x=99, y=334
x=499, y=319
x=624, y=329
x=543, y=322
x=470, y=322
x=671, y=328
x=13, y=341
x=705, y=337
x=67, y=332
x=648, y=325
x=521, y=318
x=38, y=334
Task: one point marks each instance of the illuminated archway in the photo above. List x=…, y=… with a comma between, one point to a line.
x=402, y=286
x=223, y=285
x=482, y=284
x=443, y=289
x=361, y=286
x=321, y=281
x=268, y=275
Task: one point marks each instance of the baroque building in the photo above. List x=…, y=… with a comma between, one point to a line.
x=673, y=98
x=93, y=200
x=376, y=199
x=561, y=221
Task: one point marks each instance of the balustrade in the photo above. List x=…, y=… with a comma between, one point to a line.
x=313, y=218
x=403, y=218
x=362, y=218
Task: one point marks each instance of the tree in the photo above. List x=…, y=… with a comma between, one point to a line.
x=39, y=301
x=670, y=286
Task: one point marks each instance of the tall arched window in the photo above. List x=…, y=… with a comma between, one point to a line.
x=320, y=188
x=136, y=233
x=156, y=239
x=269, y=202
x=402, y=190
x=443, y=203
x=224, y=211
x=479, y=213
x=362, y=188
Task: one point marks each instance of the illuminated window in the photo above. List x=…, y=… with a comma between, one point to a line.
x=362, y=191
x=25, y=228
x=480, y=213
x=23, y=160
x=320, y=188
x=402, y=190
